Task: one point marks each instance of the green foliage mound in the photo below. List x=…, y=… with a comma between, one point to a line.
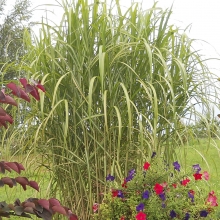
x=159, y=191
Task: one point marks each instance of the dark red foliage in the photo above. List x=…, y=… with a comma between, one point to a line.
x=18, y=91
x=32, y=89
x=21, y=93
x=2, y=112
x=42, y=208
x=6, y=98
x=17, y=167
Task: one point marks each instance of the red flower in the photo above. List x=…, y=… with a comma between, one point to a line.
x=141, y=216
x=192, y=192
x=158, y=188
x=146, y=166
x=122, y=218
x=197, y=176
x=124, y=184
x=174, y=185
x=185, y=182
x=114, y=193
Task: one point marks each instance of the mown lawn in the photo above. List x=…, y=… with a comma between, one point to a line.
x=206, y=153
x=33, y=172
x=208, y=158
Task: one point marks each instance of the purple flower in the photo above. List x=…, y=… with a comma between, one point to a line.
x=153, y=154
x=110, y=177
x=191, y=196
x=120, y=194
x=197, y=168
x=187, y=216
x=131, y=172
x=163, y=205
x=140, y=207
x=172, y=214
x=129, y=178
x=162, y=196
x=176, y=165
x=203, y=213
x=146, y=194
x=130, y=175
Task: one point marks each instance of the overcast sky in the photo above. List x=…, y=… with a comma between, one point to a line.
x=203, y=15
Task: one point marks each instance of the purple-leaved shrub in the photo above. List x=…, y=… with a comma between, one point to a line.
x=42, y=208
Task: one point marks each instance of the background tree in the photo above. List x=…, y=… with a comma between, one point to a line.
x=206, y=125
x=15, y=19
x=12, y=32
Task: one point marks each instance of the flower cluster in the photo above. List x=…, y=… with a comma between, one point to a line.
x=150, y=193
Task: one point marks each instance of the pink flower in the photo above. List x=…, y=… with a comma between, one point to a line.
x=141, y=216
x=164, y=185
x=206, y=175
x=95, y=207
x=212, y=199
x=146, y=166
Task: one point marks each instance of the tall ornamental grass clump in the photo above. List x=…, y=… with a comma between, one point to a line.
x=118, y=84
